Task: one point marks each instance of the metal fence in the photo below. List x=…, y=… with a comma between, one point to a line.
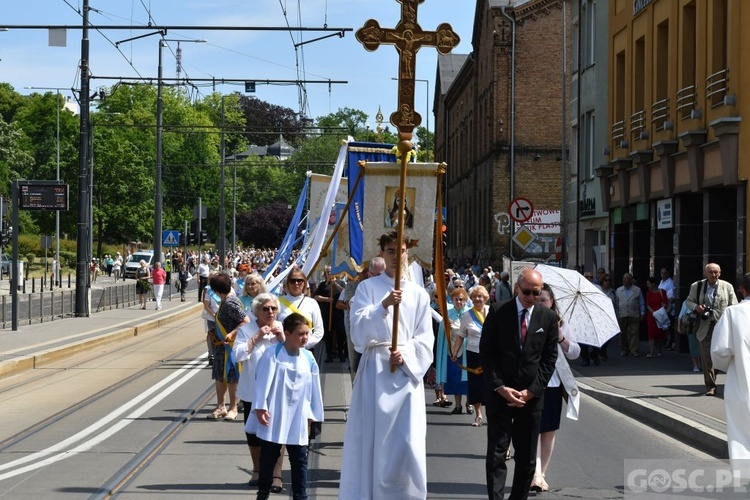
x=41, y=307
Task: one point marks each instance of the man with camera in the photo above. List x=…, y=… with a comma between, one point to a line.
x=708, y=299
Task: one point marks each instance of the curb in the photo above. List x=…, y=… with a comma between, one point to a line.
x=699, y=436
x=45, y=357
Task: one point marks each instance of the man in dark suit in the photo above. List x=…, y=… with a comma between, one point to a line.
x=518, y=350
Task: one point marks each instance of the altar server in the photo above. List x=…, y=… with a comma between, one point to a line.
x=287, y=396
x=385, y=437
x=730, y=352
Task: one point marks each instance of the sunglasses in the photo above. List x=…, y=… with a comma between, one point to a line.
x=270, y=309
x=296, y=281
x=535, y=293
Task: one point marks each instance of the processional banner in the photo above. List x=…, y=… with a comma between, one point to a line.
x=376, y=204
x=337, y=255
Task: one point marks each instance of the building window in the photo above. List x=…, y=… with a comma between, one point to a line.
x=639, y=74
x=686, y=96
x=591, y=28
x=716, y=83
x=587, y=146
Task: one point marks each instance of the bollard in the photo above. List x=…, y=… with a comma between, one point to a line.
x=33, y=285
x=68, y=280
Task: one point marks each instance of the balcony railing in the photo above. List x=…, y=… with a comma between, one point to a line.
x=638, y=125
x=618, y=133
x=686, y=101
x=717, y=86
x=660, y=114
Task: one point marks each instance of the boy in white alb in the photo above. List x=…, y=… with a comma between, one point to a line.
x=287, y=398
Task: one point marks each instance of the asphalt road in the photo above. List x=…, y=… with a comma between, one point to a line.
x=130, y=418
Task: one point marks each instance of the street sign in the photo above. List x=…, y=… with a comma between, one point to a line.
x=524, y=238
x=249, y=86
x=520, y=209
x=170, y=238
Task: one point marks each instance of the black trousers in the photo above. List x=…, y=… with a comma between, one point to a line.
x=506, y=425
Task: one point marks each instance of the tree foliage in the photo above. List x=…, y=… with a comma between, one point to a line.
x=265, y=121
x=123, y=155
x=265, y=226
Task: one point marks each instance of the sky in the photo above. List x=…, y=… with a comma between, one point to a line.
x=27, y=60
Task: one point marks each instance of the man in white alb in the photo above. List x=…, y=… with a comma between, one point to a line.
x=730, y=352
x=385, y=438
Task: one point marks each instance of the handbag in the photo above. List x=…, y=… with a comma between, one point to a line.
x=662, y=318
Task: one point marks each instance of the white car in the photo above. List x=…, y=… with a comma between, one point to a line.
x=134, y=262
x=5, y=264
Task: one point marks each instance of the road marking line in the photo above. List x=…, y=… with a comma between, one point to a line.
x=61, y=446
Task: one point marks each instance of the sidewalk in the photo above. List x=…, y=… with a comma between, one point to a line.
x=660, y=392
x=35, y=345
x=663, y=393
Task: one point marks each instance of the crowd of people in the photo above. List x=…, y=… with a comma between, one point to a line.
x=501, y=355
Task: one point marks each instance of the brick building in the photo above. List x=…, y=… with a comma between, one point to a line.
x=500, y=128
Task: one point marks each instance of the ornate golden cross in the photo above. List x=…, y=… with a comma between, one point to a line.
x=408, y=37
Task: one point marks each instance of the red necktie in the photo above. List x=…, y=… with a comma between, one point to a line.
x=524, y=326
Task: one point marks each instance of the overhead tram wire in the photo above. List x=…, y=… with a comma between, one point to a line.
x=77, y=11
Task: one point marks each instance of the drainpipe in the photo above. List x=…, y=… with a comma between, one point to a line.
x=512, y=118
x=579, y=141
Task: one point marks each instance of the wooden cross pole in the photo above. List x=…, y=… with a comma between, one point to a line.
x=408, y=37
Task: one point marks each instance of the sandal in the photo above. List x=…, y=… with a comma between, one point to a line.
x=231, y=414
x=478, y=422
x=457, y=410
x=277, y=488
x=218, y=413
x=444, y=403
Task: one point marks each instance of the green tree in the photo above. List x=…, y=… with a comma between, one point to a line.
x=10, y=102
x=233, y=118
x=265, y=121
x=426, y=142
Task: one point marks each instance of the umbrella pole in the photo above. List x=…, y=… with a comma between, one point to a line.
x=404, y=146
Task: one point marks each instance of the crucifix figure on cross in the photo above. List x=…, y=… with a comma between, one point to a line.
x=408, y=37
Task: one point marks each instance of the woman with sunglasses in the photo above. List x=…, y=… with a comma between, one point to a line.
x=225, y=372
x=296, y=299
x=252, y=340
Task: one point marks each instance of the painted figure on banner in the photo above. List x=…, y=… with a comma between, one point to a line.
x=391, y=211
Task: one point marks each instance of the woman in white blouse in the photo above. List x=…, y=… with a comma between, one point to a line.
x=471, y=332
x=252, y=341
x=562, y=384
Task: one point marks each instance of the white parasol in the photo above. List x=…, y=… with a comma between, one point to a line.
x=588, y=312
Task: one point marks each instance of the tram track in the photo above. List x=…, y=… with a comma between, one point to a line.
x=88, y=401
x=130, y=471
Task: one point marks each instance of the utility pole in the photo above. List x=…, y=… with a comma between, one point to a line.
x=222, y=211
x=82, y=236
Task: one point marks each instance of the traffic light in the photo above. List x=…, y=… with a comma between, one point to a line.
x=203, y=237
x=191, y=238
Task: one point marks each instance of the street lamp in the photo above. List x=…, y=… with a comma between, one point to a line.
x=159, y=131
x=57, y=176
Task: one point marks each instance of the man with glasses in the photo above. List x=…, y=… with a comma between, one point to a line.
x=708, y=299
x=518, y=350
